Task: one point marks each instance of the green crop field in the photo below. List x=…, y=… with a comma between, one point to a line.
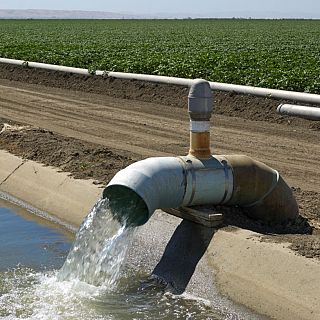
x=283, y=54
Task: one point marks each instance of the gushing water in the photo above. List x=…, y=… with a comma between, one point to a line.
x=89, y=286
x=99, y=249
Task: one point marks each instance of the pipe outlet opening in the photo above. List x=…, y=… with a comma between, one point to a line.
x=126, y=205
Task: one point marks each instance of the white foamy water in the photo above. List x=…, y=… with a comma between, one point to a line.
x=41, y=296
x=99, y=249
x=31, y=295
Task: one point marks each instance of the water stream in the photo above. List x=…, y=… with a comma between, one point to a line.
x=99, y=249
x=95, y=282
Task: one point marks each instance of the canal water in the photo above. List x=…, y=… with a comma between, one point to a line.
x=27, y=240
x=40, y=279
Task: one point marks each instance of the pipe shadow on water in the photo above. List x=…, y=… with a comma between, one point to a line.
x=186, y=247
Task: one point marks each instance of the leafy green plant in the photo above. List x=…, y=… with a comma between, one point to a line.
x=282, y=54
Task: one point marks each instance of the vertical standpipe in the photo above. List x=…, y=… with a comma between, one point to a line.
x=200, y=107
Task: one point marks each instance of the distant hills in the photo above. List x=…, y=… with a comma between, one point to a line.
x=62, y=14
x=78, y=14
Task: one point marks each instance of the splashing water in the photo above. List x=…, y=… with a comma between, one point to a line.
x=89, y=286
x=36, y=296
x=99, y=249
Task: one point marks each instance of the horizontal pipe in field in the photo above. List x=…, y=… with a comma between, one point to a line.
x=240, y=89
x=310, y=113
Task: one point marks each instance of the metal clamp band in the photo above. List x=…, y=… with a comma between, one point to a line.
x=189, y=169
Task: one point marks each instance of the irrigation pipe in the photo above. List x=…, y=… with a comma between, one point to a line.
x=240, y=89
x=310, y=113
x=200, y=178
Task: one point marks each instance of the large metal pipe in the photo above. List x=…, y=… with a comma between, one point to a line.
x=310, y=113
x=240, y=89
x=169, y=182
x=200, y=178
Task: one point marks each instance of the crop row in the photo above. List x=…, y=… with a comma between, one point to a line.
x=283, y=54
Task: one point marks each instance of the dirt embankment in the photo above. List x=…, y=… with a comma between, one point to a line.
x=84, y=160
x=93, y=127
x=229, y=104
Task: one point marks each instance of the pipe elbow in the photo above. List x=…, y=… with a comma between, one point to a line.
x=145, y=186
x=261, y=191
x=200, y=178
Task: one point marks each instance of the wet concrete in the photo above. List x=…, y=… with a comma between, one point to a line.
x=174, y=250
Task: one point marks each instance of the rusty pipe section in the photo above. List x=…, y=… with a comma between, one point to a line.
x=260, y=190
x=172, y=182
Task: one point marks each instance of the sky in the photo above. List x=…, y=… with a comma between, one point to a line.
x=273, y=8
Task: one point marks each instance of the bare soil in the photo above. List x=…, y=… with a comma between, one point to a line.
x=92, y=127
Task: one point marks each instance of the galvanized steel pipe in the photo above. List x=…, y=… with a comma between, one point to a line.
x=198, y=178
x=172, y=182
x=240, y=89
x=310, y=113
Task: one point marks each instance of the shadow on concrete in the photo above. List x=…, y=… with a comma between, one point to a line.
x=236, y=217
x=190, y=241
x=182, y=254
